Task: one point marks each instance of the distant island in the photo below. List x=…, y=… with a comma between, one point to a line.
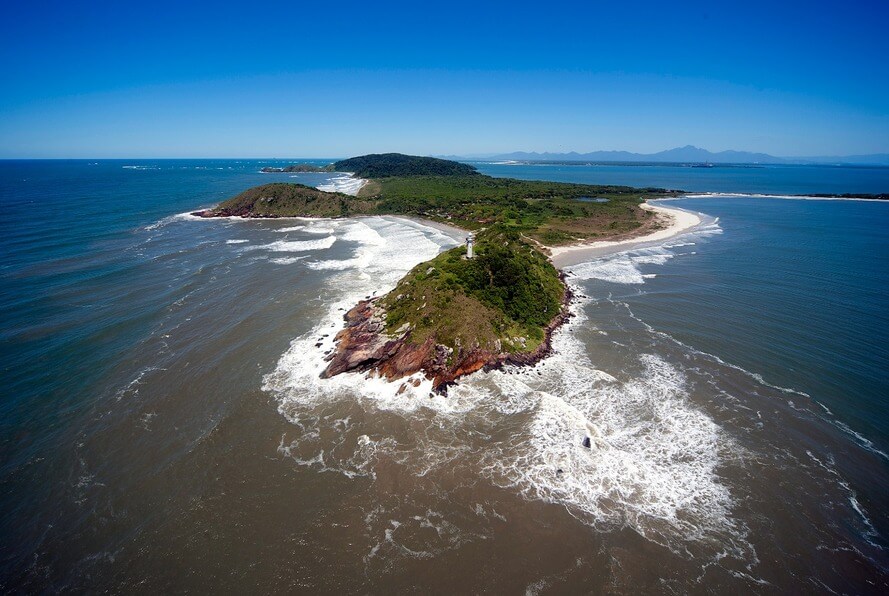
x=459, y=313
x=688, y=154
x=301, y=167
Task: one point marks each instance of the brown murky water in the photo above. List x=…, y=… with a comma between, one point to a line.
x=215, y=459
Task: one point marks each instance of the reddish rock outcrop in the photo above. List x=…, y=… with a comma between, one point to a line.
x=244, y=212
x=363, y=345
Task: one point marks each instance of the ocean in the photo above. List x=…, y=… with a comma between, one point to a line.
x=163, y=425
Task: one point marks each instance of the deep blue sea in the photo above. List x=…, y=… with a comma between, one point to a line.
x=163, y=426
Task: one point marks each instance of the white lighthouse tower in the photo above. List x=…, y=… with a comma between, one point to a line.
x=470, y=242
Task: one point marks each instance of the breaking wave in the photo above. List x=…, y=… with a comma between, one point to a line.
x=296, y=245
x=623, y=267
x=653, y=457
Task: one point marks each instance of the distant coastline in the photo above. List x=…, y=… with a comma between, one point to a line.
x=688, y=154
x=801, y=197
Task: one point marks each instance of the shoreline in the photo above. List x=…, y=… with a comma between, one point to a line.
x=680, y=221
x=363, y=345
x=455, y=232
x=786, y=197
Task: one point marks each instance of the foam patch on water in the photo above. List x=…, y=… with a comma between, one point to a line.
x=369, y=242
x=312, y=227
x=296, y=245
x=390, y=249
x=168, y=220
x=286, y=260
x=624, y=267
x=345, y=184
x=652, y=464
x=319, y=229
x=385, y=251
x=654, y=457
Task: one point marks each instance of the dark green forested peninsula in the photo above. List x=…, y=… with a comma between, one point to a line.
x=453, y=315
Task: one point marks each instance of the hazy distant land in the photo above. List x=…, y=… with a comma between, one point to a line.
x=682, y=155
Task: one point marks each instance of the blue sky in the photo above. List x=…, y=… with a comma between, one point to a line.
x=292, y=79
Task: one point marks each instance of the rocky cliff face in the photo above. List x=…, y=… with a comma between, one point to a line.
x=243, y=211
x=364, y=345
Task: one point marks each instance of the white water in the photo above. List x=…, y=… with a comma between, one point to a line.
x=654, y=455
x=345, y=184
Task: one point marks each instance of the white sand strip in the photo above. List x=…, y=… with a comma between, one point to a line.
x=679, y=221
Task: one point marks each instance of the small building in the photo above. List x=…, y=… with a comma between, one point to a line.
x=470, y=242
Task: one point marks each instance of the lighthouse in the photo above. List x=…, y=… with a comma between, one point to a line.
x=470, y=242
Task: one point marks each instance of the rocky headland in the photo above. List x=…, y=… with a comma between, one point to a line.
x=365, y=344
x=456, y=314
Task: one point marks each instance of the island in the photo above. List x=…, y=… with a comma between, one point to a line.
x=496, y=300
x=299, y=168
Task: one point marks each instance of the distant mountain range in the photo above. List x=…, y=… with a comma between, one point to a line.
x=687, y=154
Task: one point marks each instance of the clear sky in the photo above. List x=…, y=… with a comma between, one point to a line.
x=296, y=79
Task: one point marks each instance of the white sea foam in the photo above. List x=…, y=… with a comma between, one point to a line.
x=286, y=260
x=623, y=267
x=653, y=456
x=325, y=227
x=319, y=229
x=296, y=245
x=653, y=461
x=345, y=184
x=369, y=244
x=168, y=220
x=237, y=241
x=386, y=251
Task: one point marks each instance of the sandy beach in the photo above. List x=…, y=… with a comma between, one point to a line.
x=676, y=220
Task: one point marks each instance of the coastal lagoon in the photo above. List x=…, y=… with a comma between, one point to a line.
x=164, y=426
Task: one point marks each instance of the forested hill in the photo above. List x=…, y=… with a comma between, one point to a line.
x=386, y=165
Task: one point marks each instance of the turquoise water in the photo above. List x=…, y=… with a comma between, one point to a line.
x=160, y=387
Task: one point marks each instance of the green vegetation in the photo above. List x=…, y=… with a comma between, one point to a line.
x=549, y=212
x=283, y=200
x=385, y=165
x=500, y=300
